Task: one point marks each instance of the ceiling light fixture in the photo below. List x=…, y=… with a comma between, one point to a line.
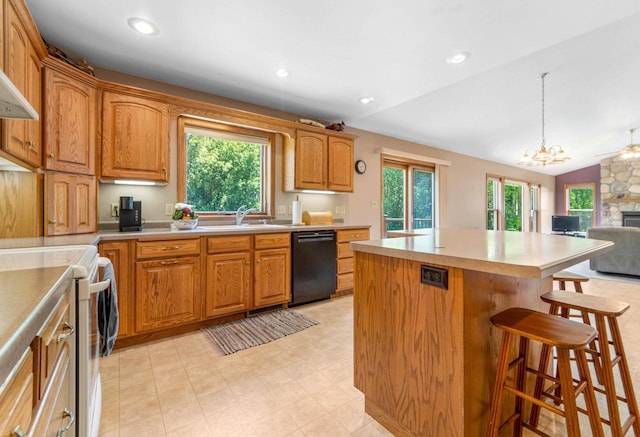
x=281, y=72
x=458, y=58
x=366, y=100
x=632, y=151
x=542, y=156
x=143, y=26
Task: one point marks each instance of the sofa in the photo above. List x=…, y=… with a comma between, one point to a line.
x=625, y=256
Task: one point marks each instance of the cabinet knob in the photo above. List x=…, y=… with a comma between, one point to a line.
x=164, y=169
x=53, y=222
x=72, y=419
x=52, y=156
x=70, y=330
x=17, y=432
x=31, y=144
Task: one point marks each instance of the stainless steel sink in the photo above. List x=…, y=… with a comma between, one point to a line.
x=244, y=226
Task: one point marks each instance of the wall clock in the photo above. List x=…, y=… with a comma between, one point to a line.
x=361, y=166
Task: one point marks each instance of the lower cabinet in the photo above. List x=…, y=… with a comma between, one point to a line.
x=168, y=285
x=228, y=276
x=17, y=398
x=272, y=269
x=344, y=262
x=119, y=254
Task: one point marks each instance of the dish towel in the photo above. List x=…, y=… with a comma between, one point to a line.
x=108, y=317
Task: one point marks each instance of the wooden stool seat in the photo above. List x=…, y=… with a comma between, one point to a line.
x=565, y=276
x=608, y=354
x=565, y=337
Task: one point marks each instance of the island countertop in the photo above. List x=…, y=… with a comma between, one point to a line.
x=520, y=254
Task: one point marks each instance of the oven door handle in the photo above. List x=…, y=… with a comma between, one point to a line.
x=102, y=285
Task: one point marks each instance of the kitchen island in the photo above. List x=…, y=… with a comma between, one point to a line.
x=424, y=348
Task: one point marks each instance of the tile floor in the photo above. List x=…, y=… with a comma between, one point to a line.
x=301, y=385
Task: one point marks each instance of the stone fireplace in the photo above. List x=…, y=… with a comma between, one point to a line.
x=620, y=190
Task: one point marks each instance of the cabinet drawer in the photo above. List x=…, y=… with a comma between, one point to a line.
x=344, y=281
x=167, y=248
x=16, y=400
x=55, y=334
x=238, y=243
x=343, y=250
x=272, y=241
x=345, y=265
x=55, y=411
x=352, y=235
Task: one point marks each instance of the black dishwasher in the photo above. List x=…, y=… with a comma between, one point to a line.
x=313, y=258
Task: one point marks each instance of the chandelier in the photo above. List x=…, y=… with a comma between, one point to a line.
x=543, y=156
x=632, y=151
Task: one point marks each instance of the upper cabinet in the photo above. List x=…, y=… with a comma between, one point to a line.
x=23, y=50
x=135, y=138
x=318, y=161
x=69, y=118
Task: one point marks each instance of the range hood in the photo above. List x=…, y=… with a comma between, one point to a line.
x=12, y=103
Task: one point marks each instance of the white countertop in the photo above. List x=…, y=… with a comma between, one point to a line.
x=521, y=254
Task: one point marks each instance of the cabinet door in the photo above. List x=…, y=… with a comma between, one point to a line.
x=70, y=204
x=272, y=277
x=228, y=283
x=135, y=138
x=311, y=161
x=16, y=397
x=69, y=124
x=167, y=293
x=340, y=164
x=17, y=50
x=118, y=253
x=33, y=94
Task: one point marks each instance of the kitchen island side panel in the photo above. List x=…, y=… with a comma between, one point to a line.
x=409, y=346
x=486, y=294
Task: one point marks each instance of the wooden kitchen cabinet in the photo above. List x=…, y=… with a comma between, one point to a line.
x=344, y=261
x=23, y=51
x=135, y=138
x=167, y=289
x=70, y=204
x=228, y=275
x=69, y=118
x=318, y=161
x=17, y=397
x=119, y=254
x=272, y=269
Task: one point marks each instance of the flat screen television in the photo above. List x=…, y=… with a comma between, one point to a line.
x=565, y=223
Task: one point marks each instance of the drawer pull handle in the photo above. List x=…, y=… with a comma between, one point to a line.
x=66, y=413
x=171, y=248
x=65, y=335
x=167, y=263
x=17, y=432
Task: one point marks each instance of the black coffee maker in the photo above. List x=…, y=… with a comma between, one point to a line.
x=130, y=214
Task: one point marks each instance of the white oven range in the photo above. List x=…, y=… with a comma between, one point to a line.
x=85, y=371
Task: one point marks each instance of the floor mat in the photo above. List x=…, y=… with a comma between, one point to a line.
x=253, y=331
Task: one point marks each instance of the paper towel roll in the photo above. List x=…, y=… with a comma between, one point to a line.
x=296, y=212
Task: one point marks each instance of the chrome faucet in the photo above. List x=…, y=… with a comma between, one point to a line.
x=240, y=214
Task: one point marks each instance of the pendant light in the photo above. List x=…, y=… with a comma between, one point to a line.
x=543, y=156
x=632, y=151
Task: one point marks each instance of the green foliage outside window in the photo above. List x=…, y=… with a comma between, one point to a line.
x=581, y=204
x=393, y=197
x=223, y=175
x=513, y=207
x=422, y=199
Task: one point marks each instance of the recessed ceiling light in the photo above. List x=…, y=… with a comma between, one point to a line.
x=458, y=58
x=366, y=100
x=143, y=26
x=281, y=72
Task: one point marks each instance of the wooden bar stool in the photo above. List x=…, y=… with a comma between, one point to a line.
x=564, y=276
x=565, y=336
x=606, y=313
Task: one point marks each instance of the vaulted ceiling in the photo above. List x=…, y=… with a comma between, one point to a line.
x=338, y=51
